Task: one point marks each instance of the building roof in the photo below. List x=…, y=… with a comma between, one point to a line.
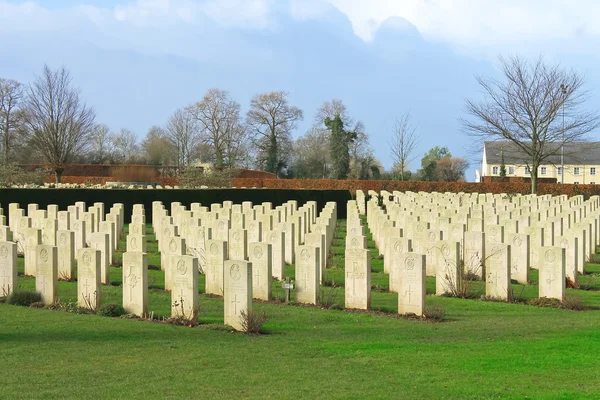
x=574, y=153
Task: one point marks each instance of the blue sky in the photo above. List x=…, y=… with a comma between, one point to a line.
x=136, y=61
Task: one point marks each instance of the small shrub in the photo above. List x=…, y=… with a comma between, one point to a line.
x=14, y=175
x=195, y=177
x=65, y=277
x=569, y=284
x=184, y=318
x=545, y=302
x=253, y=321
x=110, y=310
x=573, y=302
x=327, y=298
x=435, y=312
x=69, y=307
x=37, y=304
x=24, y=298
x=595, y=259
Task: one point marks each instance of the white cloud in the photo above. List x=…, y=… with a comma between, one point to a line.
x=473, y=26
x=477, y=23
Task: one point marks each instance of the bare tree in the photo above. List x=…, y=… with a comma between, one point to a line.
x=451, y=169
x=311, y=158
x=182, y=132
x=125, y=144
x=330, y=110
x=524, y=106
x=58, y=122
x=157, y=148
x=11, y=93
x=220, y=126
x=403, y=143
x=101, y=144
x=272, y=119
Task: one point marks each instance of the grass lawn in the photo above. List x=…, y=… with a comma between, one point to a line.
x=483, y=350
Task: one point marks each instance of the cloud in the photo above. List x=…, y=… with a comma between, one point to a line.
x=478, y=24
x=471, y=26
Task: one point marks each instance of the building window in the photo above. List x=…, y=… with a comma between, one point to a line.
x=511, y=170
x=494, y=170
x=559, y=170
x=543, y=170
x=527, y=171
x=576, y=182
x=592, y=170
x=592, y=183
x=576, y=171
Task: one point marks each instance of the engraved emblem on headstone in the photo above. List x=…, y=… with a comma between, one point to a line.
x=305, y=255
x=236, y=236
x=133, y=243
x=181, y=267
x=550, y=256
x=3, y=251
x=258, y=252
x=234, y=272
x=86, y=258
x=273, y=237
x=63, y=238
x=44, y=255
x=410, y=263
x=173, y=245
x=398, y=248
x=354, y=242
x=446, y=250
x=564, y=243
x=517, y=241
x=431, y=237
x=214, y=249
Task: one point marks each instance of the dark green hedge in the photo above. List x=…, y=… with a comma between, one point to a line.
x=66, y=197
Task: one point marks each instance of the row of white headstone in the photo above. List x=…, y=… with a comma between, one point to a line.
x=408, y=280
x=50, y=259
x=495, y=237
x=50, y=240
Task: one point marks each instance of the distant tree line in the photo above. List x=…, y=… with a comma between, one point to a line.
x=48, y=122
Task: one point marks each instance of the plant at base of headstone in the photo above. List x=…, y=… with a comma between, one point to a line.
x=23, y=298
x=183, y=319
x=253, y=321
x=328, y=297
x=70, y=307
x=64, y=277
x=89, y=303
x=460, y=284
x=110, y=310
x=435, y=312
x=573, y=302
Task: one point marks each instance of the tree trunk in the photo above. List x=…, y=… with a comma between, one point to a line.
x=272, y=155
x=534, y=179
x=219, y=158
x=58, y=174
x=5, y=149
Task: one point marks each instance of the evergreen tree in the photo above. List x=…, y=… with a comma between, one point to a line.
x=339, y=144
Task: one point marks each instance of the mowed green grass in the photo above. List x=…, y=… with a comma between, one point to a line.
x=485, y=349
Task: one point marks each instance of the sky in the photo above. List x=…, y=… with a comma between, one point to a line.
x=137, y=61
